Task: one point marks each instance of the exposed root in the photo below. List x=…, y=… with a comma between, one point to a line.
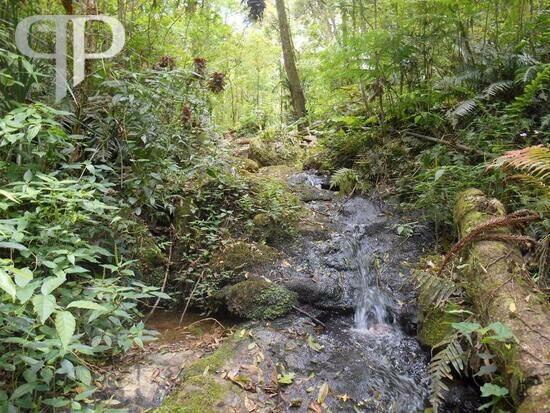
x=480, y=232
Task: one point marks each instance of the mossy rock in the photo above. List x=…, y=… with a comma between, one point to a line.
x=250, y=165
x=243, y=256
x=308, y=193
x=259, y=300
x=212, y=362
x=201, y=394
x=277, y=172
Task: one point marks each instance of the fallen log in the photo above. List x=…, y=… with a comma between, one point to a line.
x=498, y=287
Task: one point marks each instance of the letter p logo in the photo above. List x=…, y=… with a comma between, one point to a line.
x=79, y=55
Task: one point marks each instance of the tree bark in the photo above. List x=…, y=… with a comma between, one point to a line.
x=499, y=290
x=296, y=91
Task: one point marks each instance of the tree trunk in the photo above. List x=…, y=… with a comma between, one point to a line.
x=499, y=291
x=296, y=91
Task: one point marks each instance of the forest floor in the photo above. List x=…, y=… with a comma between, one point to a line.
x=303, y=363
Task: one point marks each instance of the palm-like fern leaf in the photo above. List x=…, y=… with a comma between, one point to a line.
x=533, y=160
x=498, y=88
x=452, y=355
x=438, y=289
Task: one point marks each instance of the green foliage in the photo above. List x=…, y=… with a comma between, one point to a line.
x=65, y=296
x=469, y=339
x=346, y=180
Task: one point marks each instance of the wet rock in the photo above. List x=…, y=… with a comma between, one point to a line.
x=308, y=193
x=461, y=397
x=258, y=300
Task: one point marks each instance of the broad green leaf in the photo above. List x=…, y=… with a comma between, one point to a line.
x=44, y=306
x=65, y=324
x=22, y=390
x=9, y=195
x=25, y=293
x=83, y=375
x=57, y=402
x=490, y=389
x=12, y=245
x=503, y=332
x=7, y=284
x=465, y=327
x=51, y=283
x=88, y=305
x=23, y=276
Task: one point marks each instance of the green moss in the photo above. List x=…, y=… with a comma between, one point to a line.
x=249, y=165
x=212, y=362
x=197, y=394
x=436, y=324
x=259, y=300
x=242, y=256
x=277, y=172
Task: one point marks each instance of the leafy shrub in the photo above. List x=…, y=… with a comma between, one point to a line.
x=67, y=295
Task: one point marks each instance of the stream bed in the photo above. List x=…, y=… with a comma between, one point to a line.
x=350, y=270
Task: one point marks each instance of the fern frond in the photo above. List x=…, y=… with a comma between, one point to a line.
x=498, y=88
x=346, y=180
x=531, y=91
x=438, y=289
x=463, y=109
x=533, y=160
x=452, y=356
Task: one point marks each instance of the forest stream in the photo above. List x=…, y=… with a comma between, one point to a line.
x=351, y=272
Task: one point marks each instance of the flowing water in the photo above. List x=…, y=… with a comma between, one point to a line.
x=351, y=271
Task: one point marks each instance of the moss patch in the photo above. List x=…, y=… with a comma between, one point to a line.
x=259, y=300
x=198, y=394
x=436, y=324
x=242, y=256
x=211, y=362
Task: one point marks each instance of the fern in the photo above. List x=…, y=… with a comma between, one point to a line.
x=498, y=88
x=465, y=108
x=531, y=91
x=439, y=290
x=452, y=356
x=346, y=180
x=533, y=161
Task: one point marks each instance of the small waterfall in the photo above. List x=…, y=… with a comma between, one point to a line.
x=372, y=304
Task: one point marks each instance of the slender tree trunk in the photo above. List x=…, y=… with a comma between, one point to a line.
x=296, y=91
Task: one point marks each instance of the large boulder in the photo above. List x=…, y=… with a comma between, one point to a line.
x=258, y=300
x=240, y=256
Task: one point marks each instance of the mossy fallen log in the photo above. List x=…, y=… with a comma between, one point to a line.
x=497, y=286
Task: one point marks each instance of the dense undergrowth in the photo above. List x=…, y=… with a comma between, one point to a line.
x=127, y=190
x=116, y=200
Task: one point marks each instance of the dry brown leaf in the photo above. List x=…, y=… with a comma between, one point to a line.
x=323, y=393
x=249, y=404
x=315, y=407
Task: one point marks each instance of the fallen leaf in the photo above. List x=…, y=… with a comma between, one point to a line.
x=313, y=344
x=249, y=404
x=512, y=307
x=323, y=393
x=315, y=407
x=285, y=378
